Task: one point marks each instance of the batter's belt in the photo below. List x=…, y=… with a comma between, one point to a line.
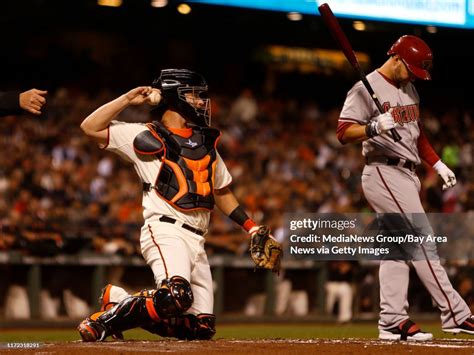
x=402, y=163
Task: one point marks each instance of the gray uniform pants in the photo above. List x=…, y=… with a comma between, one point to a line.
x=391, y=189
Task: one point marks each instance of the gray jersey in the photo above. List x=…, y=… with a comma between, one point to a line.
x=360, y=108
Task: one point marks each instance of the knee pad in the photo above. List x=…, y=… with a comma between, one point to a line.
x=173, y=298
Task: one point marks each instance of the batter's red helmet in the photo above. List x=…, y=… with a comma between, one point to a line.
x=416, y=54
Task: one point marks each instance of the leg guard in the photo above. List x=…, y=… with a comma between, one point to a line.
x=147, y=307
x=186, y=327
x=201, y=327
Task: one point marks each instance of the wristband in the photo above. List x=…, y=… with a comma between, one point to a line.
x=371, y=129
x=239, y=216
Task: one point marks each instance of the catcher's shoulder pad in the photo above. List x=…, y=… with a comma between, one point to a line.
x=148, y=142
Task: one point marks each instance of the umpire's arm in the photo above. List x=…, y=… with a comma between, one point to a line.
x=9, y=103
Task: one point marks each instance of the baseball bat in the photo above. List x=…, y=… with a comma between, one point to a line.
x=343, y=42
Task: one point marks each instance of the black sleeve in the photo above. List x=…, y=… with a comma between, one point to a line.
x=10, y=103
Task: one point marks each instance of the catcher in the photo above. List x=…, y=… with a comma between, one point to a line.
x=183, y=179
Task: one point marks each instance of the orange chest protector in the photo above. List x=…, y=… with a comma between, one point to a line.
x=186, y=177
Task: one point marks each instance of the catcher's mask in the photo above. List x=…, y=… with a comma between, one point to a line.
x=185, y=92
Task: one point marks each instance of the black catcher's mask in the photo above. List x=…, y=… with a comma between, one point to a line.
x=185, y=91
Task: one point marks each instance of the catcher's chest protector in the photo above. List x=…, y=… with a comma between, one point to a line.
x=186, y=178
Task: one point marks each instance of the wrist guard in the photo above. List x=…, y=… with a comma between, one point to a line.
x=371, y=129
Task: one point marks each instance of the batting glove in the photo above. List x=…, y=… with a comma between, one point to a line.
x=446, y=174
x=381, y=124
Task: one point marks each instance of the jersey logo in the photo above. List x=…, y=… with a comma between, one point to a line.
x=403, y=114
x=191, y=143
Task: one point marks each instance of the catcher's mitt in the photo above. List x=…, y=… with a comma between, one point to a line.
x=265, y=251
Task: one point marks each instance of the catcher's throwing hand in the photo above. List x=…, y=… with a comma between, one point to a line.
x=139, y=95
x=265, y=251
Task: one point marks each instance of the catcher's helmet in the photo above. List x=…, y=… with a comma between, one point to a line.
x=415, y=54
x=181, y=90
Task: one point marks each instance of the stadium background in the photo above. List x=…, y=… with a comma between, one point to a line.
x=69, y=211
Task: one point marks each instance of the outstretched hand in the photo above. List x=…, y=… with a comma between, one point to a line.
x=33, y=100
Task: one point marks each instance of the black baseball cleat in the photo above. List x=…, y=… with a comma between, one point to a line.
x=406, y=330
x=465, y=327
x=91, y=330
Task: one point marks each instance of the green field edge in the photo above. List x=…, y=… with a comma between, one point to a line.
x=235, y=331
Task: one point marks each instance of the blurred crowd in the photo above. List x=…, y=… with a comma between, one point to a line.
x=61, y=194
x=282, y=153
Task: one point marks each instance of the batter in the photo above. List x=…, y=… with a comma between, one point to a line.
x=391, y=185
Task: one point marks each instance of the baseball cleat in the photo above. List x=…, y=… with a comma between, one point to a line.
x=465, y=327
x=91, y=331
x=406, y=330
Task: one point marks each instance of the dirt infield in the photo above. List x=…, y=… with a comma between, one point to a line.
x=322, y=346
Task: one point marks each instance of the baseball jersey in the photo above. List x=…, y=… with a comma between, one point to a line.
x=404, y=100
x=121, y=136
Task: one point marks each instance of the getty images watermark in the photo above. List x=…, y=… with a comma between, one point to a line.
x=373, y=236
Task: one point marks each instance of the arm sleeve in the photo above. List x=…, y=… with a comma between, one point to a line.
x=341, y=129
x=222, y=176
x=10, y=103
x=121, y=136
x=358, y=106
x=425, y=149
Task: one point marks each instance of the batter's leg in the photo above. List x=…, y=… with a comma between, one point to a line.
x=396, y=190
x=386, y=189
x=394, y=277
x=454, y=310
